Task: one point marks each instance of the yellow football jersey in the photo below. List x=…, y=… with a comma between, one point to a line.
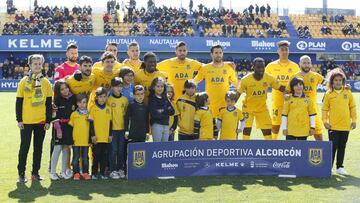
x=178, y=72
x=281, y=72
x=83, y=86
x=33, y=114
x=311, y=81
x=298, y=111
x=101, y=119
x=186, y=107
x=134, y=66
x=118, y=109
x=81, y=128
x=229, y=123
x=339, y=109
x=102, y=79
x=204, y=121
x=217, y=84
x=256, y=91
x=145, y=79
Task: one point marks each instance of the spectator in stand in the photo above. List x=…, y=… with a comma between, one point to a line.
x=268, y=10
x=304, y=32
x=257, y=10
x=324, y=19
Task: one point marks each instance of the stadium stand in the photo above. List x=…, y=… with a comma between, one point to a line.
x=50, y=21
x=334, y=27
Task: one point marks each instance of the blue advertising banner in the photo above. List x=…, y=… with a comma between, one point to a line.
x=219, y=158
x=167, y=44
x=11, y=85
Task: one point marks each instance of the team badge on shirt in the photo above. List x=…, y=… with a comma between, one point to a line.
x=265, y=84
x=315, y=156
x=312, y=80
x=188, y=67
x=224, y=71
x=345, y=96
x=290, y=70
x=113, y=105
x=139, y=159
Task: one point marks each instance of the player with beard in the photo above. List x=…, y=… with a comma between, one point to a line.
x=82, y=81
x=311, y=81
x=134, y=54
x=179, y=69
x=217, y=76
x=70, y=66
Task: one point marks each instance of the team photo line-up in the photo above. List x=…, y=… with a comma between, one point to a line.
x=96, y=109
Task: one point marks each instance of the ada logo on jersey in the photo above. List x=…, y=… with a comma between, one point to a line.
x=139, y=158
x=316, y=46
x=315, y=156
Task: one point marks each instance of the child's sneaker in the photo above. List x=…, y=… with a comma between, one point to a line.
x=22, y=179
x=37, y=177
x=121, y=174
x=65, y=176
x=77, y=176
x=341, y=171
x=69, y=172
x=114, y=175
x=54, y=176
x=94, y=177
x=86, y=176
x=103, y=177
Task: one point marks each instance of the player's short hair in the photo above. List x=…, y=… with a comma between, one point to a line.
x=233, y=96
x=107, y=55
x=335, y=73
x=81, y=96
x=305, y=57
x=100, y=91
x=111, y=44
x=180, y=44
x=71, y=46
x=258, y=60
x=34, y=57
x=125, y=70
x=116, y=81
x=85, y=59
x=138, y=88
x=133, y=44
x=295, y=81
x=200, y=99
x=283, y=43
x=216, y=47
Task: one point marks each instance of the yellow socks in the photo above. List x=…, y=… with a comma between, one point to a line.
x=267, y=137
x=275, y=136
x=246, y=137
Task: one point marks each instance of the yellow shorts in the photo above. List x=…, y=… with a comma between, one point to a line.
x=276, y=115
x=318, y=125
x=263, y=120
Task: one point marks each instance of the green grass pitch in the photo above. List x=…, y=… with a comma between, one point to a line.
x=191, y=189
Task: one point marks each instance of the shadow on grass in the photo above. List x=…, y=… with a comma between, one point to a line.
x=84, y=190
